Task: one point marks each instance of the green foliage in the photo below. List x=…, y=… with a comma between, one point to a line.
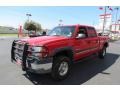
x=32, y=26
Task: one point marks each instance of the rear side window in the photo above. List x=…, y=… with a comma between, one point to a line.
x=91, y=32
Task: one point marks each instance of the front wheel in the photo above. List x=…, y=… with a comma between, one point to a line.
x=102, y=53
x=61, y=68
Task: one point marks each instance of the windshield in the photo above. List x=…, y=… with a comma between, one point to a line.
x=66, y=31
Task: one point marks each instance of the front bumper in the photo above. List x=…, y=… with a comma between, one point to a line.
x=39, y=65
x=29, y=63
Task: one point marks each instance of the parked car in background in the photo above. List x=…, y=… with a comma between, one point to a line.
x=106, y=33
x=114, y=35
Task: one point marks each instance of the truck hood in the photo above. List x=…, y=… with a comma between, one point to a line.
x=43, y=40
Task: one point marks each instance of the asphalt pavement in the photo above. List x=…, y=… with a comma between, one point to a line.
x=93, y=71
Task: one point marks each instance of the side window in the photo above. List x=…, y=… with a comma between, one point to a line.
x=91, y=32
x=82, y=33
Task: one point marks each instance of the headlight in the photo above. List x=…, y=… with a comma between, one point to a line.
x=39, y=51
x=36, y=49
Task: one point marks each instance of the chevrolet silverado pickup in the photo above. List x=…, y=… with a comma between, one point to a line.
x=58, y=50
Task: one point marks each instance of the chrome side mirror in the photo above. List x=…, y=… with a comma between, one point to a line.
x=80, y=35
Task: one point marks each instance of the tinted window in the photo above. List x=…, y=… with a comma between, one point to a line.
x=91, y=32
x=83, y=31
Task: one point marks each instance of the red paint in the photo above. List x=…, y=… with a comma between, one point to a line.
x=85, y=46
x=110, y=9
x=19, y=62
x=20, y=32
x=105, y=15
x=101, y=8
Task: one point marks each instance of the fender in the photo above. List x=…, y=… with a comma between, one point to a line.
x=63, y=49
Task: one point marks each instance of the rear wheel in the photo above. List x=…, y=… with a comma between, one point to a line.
x=61, y=68
x=102, y=53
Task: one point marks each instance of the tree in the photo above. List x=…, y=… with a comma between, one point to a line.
x=38, y=27
x=32, y=26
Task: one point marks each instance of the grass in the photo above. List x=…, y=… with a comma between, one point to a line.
x=9, y=35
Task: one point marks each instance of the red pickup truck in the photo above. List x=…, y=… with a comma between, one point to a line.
x=58, y=50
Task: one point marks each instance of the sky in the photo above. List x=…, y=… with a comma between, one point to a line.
x=49, y=16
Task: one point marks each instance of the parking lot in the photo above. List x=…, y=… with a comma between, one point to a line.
x=90, y=72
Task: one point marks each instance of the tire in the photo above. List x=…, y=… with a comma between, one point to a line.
x=102, y=53
x=61, y=68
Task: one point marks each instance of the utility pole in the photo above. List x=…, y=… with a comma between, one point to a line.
x=119, y=23
x=104, y=20
x=116, y=17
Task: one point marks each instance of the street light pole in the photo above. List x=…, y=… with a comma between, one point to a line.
x=104, y=20
x=60, y=22
x=28, y=15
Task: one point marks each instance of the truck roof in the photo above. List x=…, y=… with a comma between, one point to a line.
x=79, y=25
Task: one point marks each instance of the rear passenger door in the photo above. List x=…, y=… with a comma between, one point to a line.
x=93, y=39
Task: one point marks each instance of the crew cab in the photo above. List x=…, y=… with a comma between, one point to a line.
x=58, y=50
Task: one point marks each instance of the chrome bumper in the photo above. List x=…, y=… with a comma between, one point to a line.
x=30, y=63
x=39, y=65
x=41, y=68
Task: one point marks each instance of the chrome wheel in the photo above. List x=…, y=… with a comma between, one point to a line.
x=63, y=69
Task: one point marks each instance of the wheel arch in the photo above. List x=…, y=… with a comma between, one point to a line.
x=66, y=51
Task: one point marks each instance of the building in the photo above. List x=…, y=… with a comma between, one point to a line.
x=107, y=22
x=115, y=27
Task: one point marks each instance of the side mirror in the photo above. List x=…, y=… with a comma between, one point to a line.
x=81, y=35
x=99, y=34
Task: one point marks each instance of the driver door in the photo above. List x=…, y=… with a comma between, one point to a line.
x=81, y=44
